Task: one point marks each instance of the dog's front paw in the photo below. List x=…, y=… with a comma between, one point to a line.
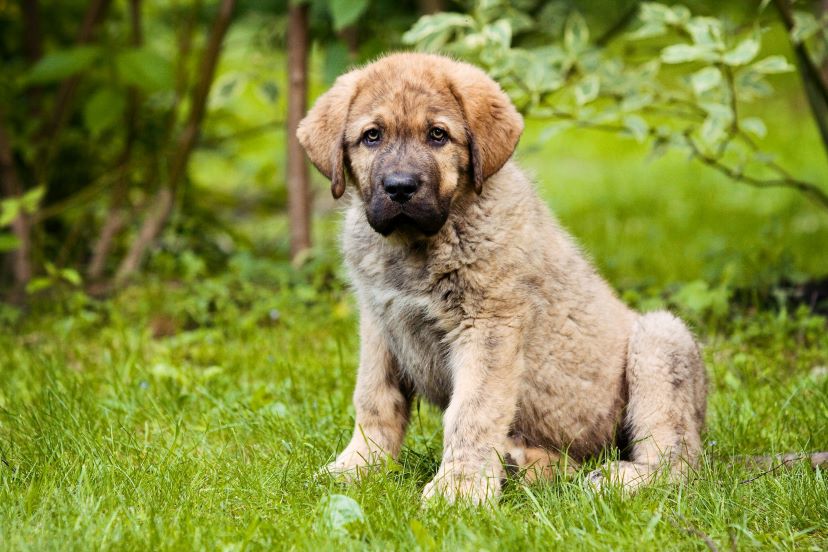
x=350, y=466
x=627, y=475
x=456, y=486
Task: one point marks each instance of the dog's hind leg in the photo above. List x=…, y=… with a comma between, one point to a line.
x=667, y=396
x=536, y=463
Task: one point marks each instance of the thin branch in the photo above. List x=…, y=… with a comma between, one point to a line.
x=775, y=462
x=814, y=192
x=818, y=195
x=116, y=215
x=165, y=199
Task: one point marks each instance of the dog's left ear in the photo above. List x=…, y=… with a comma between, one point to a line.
x=322, y=130
x=493, y=124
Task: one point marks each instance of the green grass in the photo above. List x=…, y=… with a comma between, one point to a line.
x=209, y=436
x=194, y=412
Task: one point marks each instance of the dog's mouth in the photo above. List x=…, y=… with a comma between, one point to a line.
x=407, y=218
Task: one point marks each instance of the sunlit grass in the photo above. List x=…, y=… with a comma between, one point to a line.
x=209, y=436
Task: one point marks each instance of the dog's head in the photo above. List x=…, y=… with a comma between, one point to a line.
x=412, y=132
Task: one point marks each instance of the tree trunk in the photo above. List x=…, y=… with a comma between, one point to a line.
x=165, y=200
x=116, y=215
x=297, y=169
x=21, y=225
x=814, y=81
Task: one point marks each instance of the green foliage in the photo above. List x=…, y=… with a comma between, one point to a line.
x=676, y=80
x=10, y=207
x=811, y=31
x=145, y=69
x=104, y=109
x=61, y=64
x=346, y=12
x=54, y=277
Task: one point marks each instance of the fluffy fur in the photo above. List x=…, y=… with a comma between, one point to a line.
x=495, y=316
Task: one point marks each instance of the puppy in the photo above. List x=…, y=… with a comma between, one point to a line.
x=473, y=297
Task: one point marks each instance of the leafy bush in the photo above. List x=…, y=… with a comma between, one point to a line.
x=676, y=80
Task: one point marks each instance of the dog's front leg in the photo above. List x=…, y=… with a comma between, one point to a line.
x=381, y=405
x=487, y=366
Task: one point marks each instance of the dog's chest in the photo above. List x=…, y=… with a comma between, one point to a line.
x=414, y=321
x=417, y=339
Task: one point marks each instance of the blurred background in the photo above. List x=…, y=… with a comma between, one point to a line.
x=152, y=140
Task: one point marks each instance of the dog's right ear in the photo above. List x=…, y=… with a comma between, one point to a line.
x=493, y=124
x=322, y=130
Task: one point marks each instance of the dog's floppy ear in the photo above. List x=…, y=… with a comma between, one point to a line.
x=322, y=130
x=493, y=124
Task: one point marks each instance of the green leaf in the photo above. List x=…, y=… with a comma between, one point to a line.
x=705, y=31
x=9, y=208
x=653, y=12
x=59, y=65
x=712, y=130
x=636, y=100
x=431, y=32
x=698, y=297
x=144, y=69
x=718, y=110
x=104, y=110
x=8, y=242
x=751, y=85
x=341, y=514
x=755, y=126
x=576, y=34
x=637, y=126
x=805, y=26
x=346, y=12
x=743, y=53
x=31, y=199
x=38, y=284
x=587, y=89
x=705, y=79
x=648, y=30
x=337, y=59
x=772, y=64
x=682, y=53
x=71, y=275
x=680, y=15
x=499, y=32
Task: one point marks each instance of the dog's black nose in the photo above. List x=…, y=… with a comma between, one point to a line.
x=400, y=187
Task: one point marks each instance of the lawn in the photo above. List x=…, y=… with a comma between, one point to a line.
x=195, y=412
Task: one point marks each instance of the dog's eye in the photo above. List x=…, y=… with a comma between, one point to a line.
x=371, y=136
x=437, y=135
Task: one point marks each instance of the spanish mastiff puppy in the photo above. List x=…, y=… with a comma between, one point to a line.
x=473, y=297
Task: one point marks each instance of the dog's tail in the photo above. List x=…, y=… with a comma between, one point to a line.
x=771, y=463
